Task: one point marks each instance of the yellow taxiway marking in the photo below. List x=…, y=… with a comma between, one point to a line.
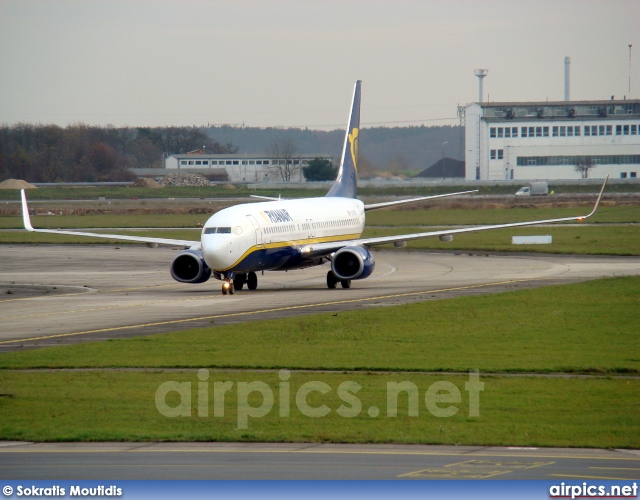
x=592, y=477
x=614, y=468
x=262, y=311
x=474, y=469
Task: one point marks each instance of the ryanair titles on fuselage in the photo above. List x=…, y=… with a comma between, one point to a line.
x=278, y=215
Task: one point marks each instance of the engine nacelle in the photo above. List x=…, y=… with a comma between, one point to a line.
x=189, y=267
x=352, y=263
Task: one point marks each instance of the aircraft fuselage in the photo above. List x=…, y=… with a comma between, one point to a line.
x=268, y=235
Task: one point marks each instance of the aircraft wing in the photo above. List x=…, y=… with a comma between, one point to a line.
x=140, y=239
x=322, y=249
x=376, y=206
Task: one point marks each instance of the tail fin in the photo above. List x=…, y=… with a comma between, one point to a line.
x=346, y=183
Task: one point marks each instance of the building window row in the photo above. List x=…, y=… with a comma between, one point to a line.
x=497, y=154
x=632, y=175
x=627, y=129
x=205, y=163
x=563, y=131
x=544, y=161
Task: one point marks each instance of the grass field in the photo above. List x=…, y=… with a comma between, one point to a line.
x=392, y=218
x=584, y=328
x=444, y=216
x=120, y=192
x=120, y=406
x=601, y=238
x=586, y=240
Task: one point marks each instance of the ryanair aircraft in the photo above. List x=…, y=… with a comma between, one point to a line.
x=280, y=235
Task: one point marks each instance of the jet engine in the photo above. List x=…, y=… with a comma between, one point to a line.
x=189, y=267
x=352, y=263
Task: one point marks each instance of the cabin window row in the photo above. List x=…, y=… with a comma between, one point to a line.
x=280, y=229
x=327, y=224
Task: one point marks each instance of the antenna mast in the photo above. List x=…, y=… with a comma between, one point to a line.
x=630, y=70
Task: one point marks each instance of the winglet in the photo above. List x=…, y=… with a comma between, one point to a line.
x=25, y=212
x=598, y=200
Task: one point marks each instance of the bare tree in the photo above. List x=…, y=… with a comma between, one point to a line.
x=285, y=161
x=583, y=165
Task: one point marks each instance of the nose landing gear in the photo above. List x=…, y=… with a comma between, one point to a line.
x=227, y=287
x=233, y=282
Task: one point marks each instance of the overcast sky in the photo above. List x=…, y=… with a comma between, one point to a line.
x=294, y=63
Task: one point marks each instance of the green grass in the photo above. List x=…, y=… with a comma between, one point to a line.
x=393, y=218
x=120, y=406
x=58, y=239
x=444, y=217
x=122, y=192
x=586, y=240
x=590, y=327
x=100, y=221
x=589, y=239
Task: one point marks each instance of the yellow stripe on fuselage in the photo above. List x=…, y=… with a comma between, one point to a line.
x=284, y=244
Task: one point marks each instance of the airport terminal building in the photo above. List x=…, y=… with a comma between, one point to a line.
x=545, y=140
x=240, y=167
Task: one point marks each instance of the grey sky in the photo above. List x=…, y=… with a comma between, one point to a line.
x=293, y=63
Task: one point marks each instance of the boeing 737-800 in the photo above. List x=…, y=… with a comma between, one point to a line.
x=280, y=235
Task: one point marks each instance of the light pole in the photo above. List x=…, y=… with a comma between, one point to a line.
x=443, y=160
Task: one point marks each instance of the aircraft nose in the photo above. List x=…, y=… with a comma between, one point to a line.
x=215, y=251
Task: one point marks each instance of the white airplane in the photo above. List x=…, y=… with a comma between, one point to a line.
x=280, y=235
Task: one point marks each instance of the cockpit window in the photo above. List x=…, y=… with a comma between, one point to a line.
x=217, y=230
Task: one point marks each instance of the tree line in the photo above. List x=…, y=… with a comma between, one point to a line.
x=86, y=153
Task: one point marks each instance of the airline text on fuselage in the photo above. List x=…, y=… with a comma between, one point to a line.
x=279, y=215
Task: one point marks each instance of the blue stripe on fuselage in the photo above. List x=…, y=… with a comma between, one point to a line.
x=273, y=259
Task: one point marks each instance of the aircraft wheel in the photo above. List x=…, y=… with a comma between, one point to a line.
x=345, y=283
x=224, y=289
x=252, y=281
x=239, y=281
x=332, y=281
x=231, y=288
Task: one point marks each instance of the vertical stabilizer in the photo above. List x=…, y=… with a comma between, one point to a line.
x=346, y=183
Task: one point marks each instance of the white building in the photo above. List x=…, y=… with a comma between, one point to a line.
x=241, y=167
x=545, y=140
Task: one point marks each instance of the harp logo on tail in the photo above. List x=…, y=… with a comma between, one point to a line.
x=353, y=141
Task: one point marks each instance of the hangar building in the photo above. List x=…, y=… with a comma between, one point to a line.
x=545, y=140
x=240, y=167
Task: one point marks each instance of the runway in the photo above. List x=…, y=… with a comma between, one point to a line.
x=122, y=461
x=56, y=294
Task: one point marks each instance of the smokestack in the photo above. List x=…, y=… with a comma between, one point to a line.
x=481, y=73
x=567, y=78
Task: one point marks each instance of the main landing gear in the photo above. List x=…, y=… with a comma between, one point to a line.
x=332, y=281
x=229, y=285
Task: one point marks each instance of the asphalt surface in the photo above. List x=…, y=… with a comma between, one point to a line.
x=122, y=461
x=56, y=294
